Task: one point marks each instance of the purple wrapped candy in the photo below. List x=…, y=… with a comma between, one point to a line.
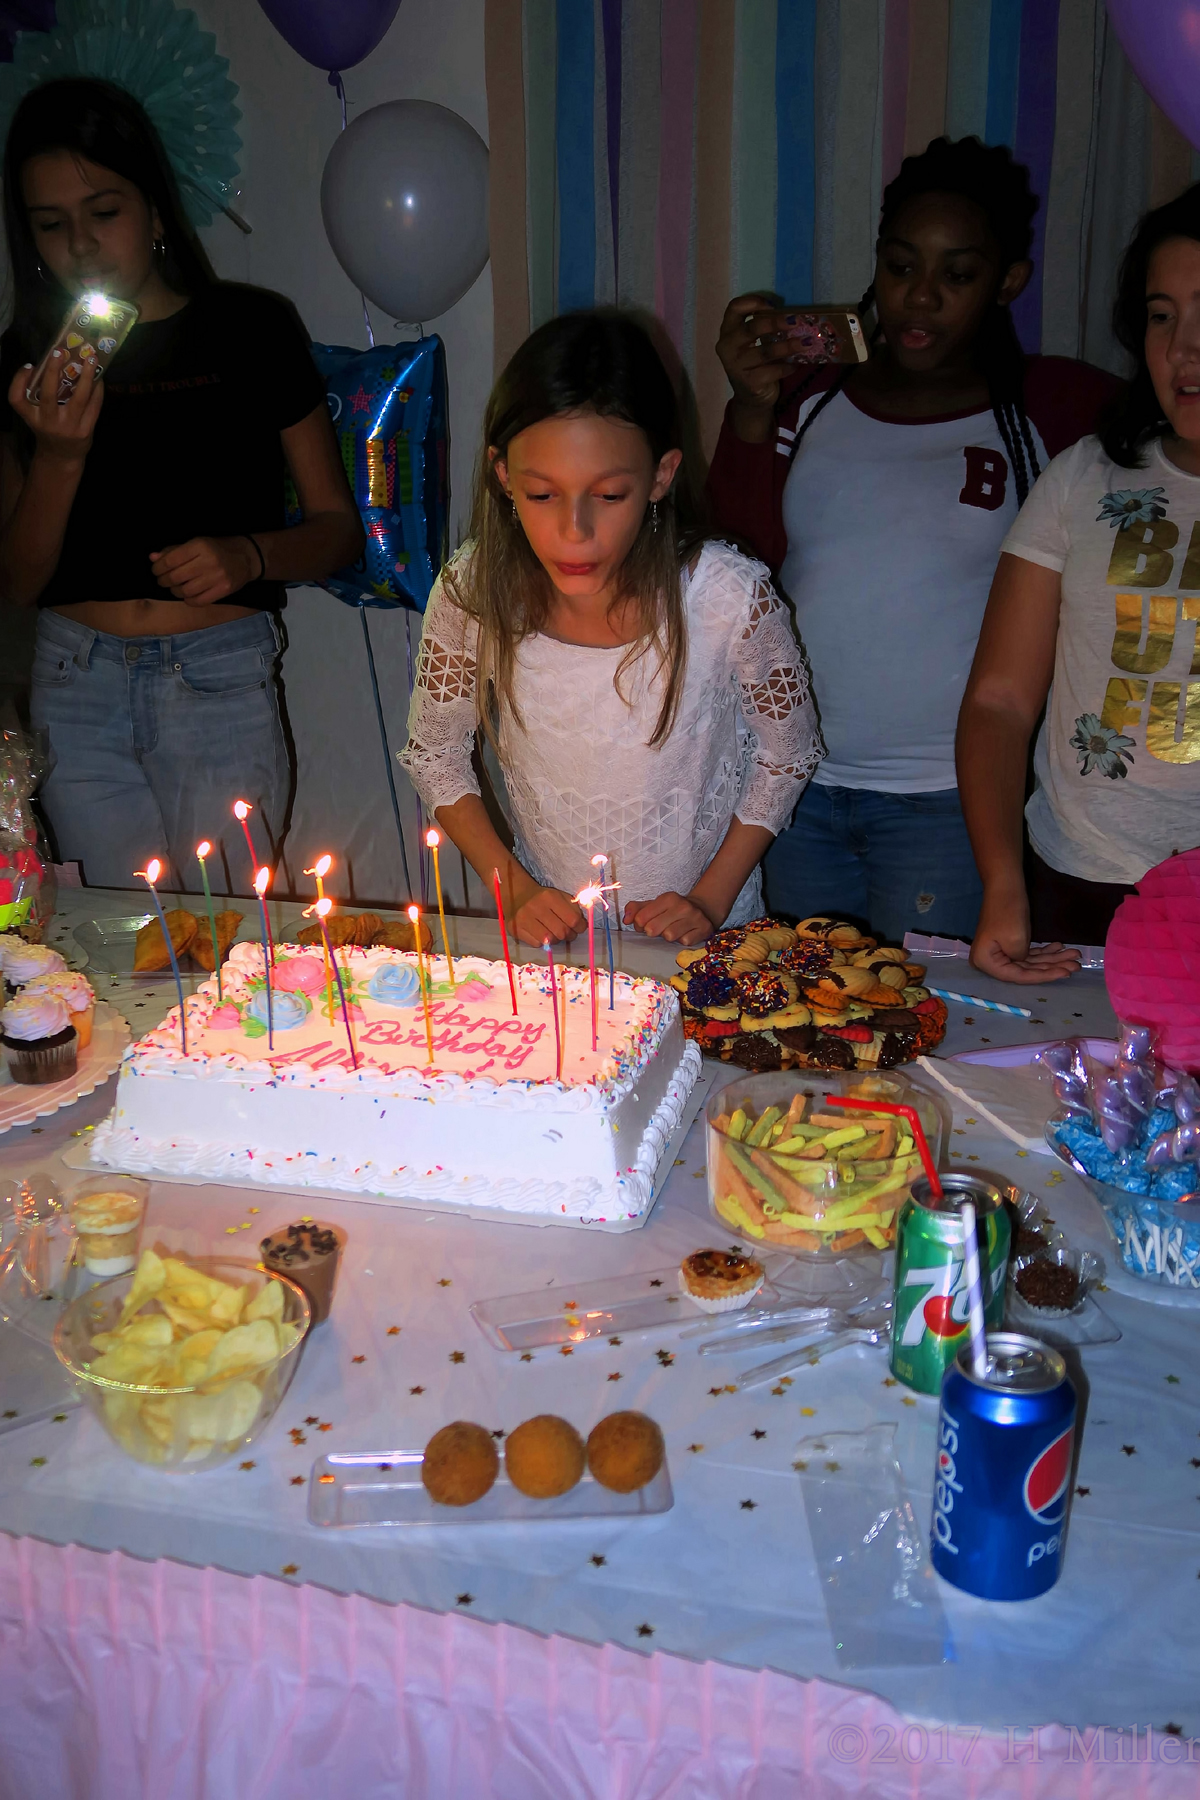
x=1185, y=1142
x=1138, y=1083
x=1068, y=1076
x=1137, y=1044
x=1158, y=1155
x=1185, y=1098
x=1118, y=1117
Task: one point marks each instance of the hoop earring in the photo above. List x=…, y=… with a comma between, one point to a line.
x=515, y=515
x=654, y=517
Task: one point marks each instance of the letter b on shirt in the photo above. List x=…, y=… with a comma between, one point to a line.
x=987, y=478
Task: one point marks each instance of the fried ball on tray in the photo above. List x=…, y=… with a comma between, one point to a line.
x=625, y=1451
x=461, y=1463
x=544, y=1457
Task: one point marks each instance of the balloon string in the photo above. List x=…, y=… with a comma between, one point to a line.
x=335, y=81
x=417, y=797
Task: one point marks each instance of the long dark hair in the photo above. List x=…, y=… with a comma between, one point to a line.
x=599, y=362
x=1135, y=419
x=987, y=175
x=101, y=124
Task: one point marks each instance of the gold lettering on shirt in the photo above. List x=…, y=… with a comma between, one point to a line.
x=1141, y=554
x=1123, y=702
x=1191, y=610
x=1190, y=575
x=1173, y=721
x=1160, y=632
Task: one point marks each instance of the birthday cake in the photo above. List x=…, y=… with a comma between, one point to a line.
x=351, y=1100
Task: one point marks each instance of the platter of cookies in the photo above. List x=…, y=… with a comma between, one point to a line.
x=818, y=995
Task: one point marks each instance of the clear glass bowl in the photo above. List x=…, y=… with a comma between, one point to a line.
x=1158, y=1240
x=800, y=1192
x=184, y=1428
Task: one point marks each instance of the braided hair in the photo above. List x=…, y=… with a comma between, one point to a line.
x=987, y=175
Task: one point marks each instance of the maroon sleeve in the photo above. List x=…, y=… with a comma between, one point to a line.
x=1065, y=398
x=746, y=481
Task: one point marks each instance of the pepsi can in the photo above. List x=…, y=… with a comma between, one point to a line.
x=1003, y=1477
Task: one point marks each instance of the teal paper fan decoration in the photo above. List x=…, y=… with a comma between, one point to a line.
x=159, y=54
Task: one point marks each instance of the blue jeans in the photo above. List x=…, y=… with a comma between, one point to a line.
x=153, y=739
x=894, y=862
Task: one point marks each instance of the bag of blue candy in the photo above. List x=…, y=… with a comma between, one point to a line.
x=388, y=406
x=1133, y=1132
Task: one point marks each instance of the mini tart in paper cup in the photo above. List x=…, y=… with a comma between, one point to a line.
x=720, y=1281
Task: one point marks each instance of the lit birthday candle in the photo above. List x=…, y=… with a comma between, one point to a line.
x=320, y=870
x=414, y=913
x=587, y=898
x=262, y=879
x=601, y=863
x=150, y=875
x=433, y=839
x=322, y=909
x=204, y=850
x=512, y=984
x=241, y=812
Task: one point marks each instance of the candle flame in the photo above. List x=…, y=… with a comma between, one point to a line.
x=321, y=867
x=241, y=809
x=152, y=871
x=433, y=838
x=414, y=913
x=203, y=850
x=262, y=881
x=323, y=908
x=600, y=861
x=588, y=896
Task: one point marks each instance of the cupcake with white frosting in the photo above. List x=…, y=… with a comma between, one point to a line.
x=24, y=962
x=75, y=990
x=38, y=1039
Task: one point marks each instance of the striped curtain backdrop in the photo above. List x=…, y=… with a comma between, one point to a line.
x=668, y=154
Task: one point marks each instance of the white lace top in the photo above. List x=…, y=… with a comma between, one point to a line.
x=581, y=775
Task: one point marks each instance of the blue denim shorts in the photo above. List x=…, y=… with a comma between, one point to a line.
x=152, y=739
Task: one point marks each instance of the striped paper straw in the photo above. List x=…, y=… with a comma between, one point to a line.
x=1018, y=1012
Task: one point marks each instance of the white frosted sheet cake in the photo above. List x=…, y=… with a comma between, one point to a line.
x=486, y=1124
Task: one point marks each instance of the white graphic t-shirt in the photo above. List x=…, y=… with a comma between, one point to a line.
x=893, y=528
x=1118, y=756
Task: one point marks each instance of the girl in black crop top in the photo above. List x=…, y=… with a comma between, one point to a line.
x=145, y=517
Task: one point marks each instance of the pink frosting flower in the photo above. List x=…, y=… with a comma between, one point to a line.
x=300, y=974
x=225, y=1018
x=474, y=990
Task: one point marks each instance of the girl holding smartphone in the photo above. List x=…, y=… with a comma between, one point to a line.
x=144, y=516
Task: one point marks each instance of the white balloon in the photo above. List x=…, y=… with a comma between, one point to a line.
x=404, y=197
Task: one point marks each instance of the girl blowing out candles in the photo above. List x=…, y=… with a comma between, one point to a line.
x=641, y=686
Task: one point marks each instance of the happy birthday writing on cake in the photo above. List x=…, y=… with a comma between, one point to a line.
x=508, y=1042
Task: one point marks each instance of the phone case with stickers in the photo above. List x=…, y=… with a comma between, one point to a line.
x=89, y=337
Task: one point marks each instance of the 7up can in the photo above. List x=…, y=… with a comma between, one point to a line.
x=931, y=1312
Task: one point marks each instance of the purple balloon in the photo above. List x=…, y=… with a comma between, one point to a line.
x=1162, y=41
x=332, y=34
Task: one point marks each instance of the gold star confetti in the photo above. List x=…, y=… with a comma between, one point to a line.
x=358, y=1359
x=678, y=1163
x=800, y=1464
x=665, y=1357
x=416, y=1390
x=563, y=1350
x=324, y=1427
x=229, y=1230
x=443, y=1282
x=58, y=1418
x=970, y=1121
x=656, y=1282
x=526, y=1356
x=614, y=1341
x=290, y=1569
x=907, y=1400
x=298, y=1480
x=758, y=1434
x=749, y=1505
x=833, y=1467
x=615, y=1376
x=1022, y=1153
x=808, y=1412
x=570, y=1305
x=716, y=1390
x=699, y=1174
x=252, y=1209
x=598, y=1560
x=1173, y=1379
x=774, y=1390
x=297, y=1436
x=889, y=1381
x=1083, y=1492
x=325, y=1480
x=37, y=1462
x=10, y=1412
x=458, y=1356
x=1128, y=1450
x=645, y=1631
x=695, y=1449
x=786, y=1381
x=465, y=1600
x=393, y=1331
x=498, y=1433
x=312, y=1420
x=247, y=1465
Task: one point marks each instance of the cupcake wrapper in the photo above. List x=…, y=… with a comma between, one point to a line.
x=729, y=1303
x=35, y=1065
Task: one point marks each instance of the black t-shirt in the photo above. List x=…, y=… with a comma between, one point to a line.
x=187, y=443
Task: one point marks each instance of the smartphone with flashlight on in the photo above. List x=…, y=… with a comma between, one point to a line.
x=89, y=337
x=823, y=334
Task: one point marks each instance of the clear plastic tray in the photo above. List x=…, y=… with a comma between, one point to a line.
x=384, y=1487
x=622, y=1304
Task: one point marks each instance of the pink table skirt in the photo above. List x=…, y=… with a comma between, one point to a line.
x=124, y=1680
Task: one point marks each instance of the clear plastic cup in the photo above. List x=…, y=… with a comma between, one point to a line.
x=107, y=1212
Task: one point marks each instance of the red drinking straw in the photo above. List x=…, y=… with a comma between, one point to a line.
x=907, y=1113
x=512, y=985
x=554, y=1010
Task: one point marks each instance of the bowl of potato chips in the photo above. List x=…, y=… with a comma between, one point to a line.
x=184, y=1362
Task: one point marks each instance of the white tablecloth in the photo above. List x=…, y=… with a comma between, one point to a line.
x=714, y=1580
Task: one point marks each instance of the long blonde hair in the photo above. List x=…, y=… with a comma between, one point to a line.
x=600, y=362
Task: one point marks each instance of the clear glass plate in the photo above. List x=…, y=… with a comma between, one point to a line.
x=384, y=1487
x=111, y=945
x=621, y=1304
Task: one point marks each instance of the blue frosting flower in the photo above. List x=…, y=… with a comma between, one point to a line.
x=287, y=1009
x=395, y=984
